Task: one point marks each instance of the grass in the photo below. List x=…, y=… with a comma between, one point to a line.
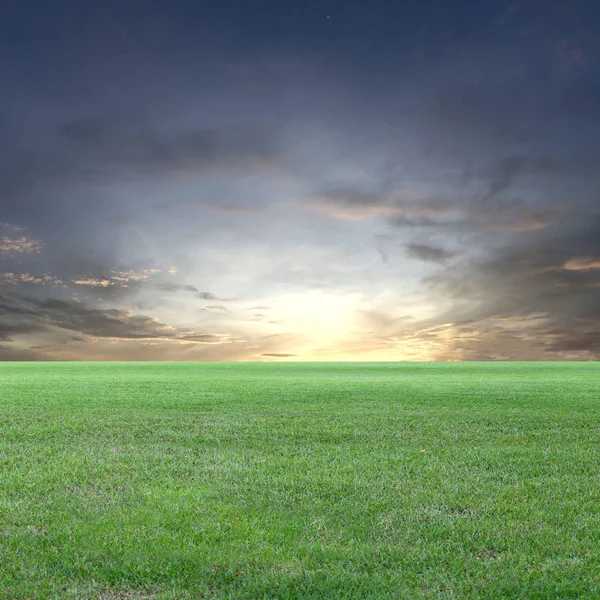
x=307, y=480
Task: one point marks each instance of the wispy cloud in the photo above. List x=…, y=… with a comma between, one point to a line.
x=226, y=208
x=91, y=281
x=175, y=287
x=211, y=296
x=10, y=227
x=127, y=276
x=479, y=211
x=217, y=307
x=428, y=253
x=582, y=264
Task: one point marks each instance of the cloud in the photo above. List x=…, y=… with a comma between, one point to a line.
x=92, y=281
x=210, y=296
x=133, y=146
x=381, y=250
x=10, y=227
x=82, y=332
x=19, y=314
x=120, y=278
x=489, y=339
x=526, y=220
x=20, y=245
x=230, y=208
x=17, y=278
x=203, y=349
x=129, y=276
x=428, y=253
x=357, y=205
x=478, y=210
x=348, y=203
x=537, y=275
x=582, y=264
x=207, y=296
x=174, y=287
x=476, y=101
x=204, y=338
x=505, y=173
x=109, y=150
x=278, y=355
x=236, y=208
x=8, y=353
x=217, y=307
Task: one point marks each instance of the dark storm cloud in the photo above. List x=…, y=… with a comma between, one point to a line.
x=428, y=253
x=20, y=314
x=8, y=353
x=17, y=327
x=532, y=277
x=75, y=316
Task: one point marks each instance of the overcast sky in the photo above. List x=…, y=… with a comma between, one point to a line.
x=317, y=180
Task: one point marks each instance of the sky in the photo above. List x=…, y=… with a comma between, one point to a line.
x=327, y=180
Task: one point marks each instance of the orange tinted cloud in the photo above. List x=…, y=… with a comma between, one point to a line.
x=133, y=276
x=20, y=245
x=526, y=224
x=582, y=264
x=14, y=278
x=338, y=207
x=92, y=281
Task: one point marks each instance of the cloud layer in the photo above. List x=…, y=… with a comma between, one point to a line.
x=385, y=184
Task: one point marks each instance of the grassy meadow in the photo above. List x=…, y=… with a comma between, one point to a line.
x=299, y=480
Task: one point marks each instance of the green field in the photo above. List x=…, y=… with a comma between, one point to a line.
x=305, y=480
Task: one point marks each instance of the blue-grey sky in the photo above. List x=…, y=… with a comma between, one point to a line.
x=326, y=180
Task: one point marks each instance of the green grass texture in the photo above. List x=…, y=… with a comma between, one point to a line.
x=299, y=480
